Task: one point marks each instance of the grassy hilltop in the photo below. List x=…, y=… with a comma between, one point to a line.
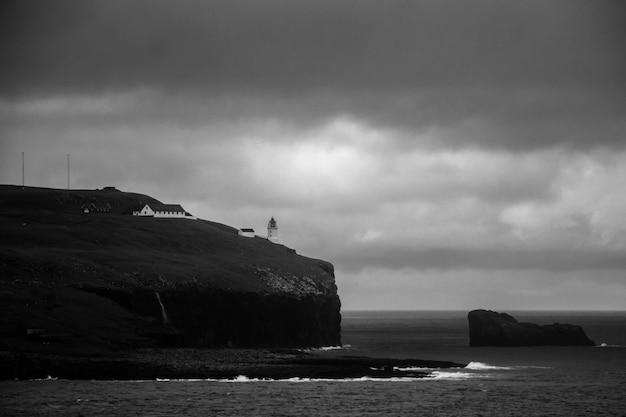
x=76, y=280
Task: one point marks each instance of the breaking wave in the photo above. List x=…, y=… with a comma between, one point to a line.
x=606, y=345
x=479, y=366
x=455, y=375
x=472, y=370
x=48, y=378
x=245, y=379
x=326, y=348
x=434, y=375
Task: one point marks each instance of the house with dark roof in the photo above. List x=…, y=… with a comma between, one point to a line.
x=96, y=207
x=175, y=211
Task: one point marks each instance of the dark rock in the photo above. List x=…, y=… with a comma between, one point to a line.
x=489, y=328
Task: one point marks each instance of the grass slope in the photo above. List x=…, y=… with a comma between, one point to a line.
x=51, y=251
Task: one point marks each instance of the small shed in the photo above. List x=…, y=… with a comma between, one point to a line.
x=246, y=232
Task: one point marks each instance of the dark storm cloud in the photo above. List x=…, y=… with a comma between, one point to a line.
x=488, y=73
x=413, y=144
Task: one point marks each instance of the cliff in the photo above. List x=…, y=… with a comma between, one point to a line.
x=106, y=281
x=489, y=328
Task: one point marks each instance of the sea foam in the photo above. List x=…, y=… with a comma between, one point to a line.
x=245, y=379
x=325, y=348
x=458, y=375
x=479, y=366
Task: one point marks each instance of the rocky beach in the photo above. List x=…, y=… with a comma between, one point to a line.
x=151, y=364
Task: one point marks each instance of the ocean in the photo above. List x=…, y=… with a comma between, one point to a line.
x=514, y=381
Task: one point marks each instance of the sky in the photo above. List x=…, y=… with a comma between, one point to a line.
x=441, y=154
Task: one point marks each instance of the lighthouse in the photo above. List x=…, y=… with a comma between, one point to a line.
x=272, y=231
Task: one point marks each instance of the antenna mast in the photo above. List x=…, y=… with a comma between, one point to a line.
x=68, y=171
x=22, y=170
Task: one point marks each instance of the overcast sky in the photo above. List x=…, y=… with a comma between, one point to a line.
x=441, y=154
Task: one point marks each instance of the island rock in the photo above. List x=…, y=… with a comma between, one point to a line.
x=489, y=328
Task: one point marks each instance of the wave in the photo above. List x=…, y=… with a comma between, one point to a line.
x=474, y=366
x=472, y=370
x=179, y=380
x=245, y=379
x=479, y=366
x=434, y=375
x=411, y=369
x=456, y=375
x=325, y=348
x=240, y=378
x=606, y=345
x=48, y=378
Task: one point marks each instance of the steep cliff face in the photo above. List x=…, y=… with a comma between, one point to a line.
x=489, y=328
x=113, y=279
x=202, y=317
x=236, y=319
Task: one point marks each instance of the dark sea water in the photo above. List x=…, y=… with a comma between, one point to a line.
x=526, y=381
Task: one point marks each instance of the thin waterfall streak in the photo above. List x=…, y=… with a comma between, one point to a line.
x=163, y=312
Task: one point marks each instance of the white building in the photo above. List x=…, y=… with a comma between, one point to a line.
x=175, y=211
x=272, y=231
x=246, y=232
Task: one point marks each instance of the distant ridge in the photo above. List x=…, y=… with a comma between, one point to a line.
x=70, y=200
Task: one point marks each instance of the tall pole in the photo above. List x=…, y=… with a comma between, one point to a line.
x=22, y=170
x=68, y=171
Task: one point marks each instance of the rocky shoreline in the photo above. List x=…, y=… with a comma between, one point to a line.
x=151, y=364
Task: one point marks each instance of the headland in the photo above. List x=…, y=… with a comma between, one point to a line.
x=89, y=290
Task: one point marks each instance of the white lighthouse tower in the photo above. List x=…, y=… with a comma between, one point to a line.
x=272, y=231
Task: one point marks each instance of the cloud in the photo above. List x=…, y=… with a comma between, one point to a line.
x=501, y=290
x=487, y=74
x=480, y=259
x=284, y=47
x=402, y=139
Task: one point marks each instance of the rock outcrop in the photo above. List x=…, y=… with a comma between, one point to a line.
x=489, y=328
x=113, y=280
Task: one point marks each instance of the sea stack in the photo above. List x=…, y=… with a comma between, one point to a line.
x=490, y=328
